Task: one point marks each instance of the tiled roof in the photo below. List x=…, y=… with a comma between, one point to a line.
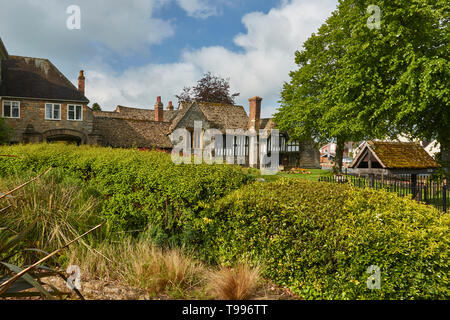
x=400, y=155
x=25, y=77
x=117, y=132
x=224, y=116
x=122, y=112
x=3, y=52
x=267, y=124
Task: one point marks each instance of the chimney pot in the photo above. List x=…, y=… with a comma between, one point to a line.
x=170, y=106
x=159, y=111
x=254, y=118
x=81, y=82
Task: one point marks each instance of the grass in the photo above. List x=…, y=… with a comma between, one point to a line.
x=314, y=176
x=66, y=208
x=140, y=264
x=239, y=283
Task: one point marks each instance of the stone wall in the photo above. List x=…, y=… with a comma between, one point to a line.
x=33, y=127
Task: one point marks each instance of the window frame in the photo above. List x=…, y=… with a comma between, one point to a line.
x=75, y=112
x=11, y=109
x=53, y=111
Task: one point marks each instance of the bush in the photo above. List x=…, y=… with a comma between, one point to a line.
x=137, y=188
x=319, y=239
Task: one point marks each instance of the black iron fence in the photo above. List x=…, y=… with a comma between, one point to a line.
x=423, y=189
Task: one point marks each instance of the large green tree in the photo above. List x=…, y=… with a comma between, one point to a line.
x=357, y=82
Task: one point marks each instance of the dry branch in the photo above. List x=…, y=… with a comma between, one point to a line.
x=23, y=185
x=4, y=286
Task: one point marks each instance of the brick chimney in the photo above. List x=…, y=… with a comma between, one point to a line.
x=170, y=106
x=159, y=111
x=81, y=82
x=254, y=118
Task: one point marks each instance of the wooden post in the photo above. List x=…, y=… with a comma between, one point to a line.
x=414, y=185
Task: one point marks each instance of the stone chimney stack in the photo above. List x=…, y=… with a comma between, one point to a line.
x=159, y=110
x=81, y=82
x=254, y=119
x=170, y=106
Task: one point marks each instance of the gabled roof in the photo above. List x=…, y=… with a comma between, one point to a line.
x=224, y=116
x=221, y=116
x=397, y=155
x=36, y=78
x=3, y=52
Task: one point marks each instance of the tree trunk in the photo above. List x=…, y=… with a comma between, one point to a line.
x=445, y=155
x=340, y=144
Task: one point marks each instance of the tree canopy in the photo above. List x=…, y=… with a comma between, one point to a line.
x=96, y=107
x=209, y=88
x=357, y=82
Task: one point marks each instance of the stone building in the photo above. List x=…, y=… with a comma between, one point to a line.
x=41, y=104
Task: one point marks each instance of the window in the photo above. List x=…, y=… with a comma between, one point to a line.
x=293, y=146
x=11, y=109
x=52, y=111
x=74, y=113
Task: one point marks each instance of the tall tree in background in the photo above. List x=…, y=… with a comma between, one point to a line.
x=358, y=82
x=96, y=107
x=209, y=89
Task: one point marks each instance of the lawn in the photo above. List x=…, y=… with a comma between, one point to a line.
x=314, y=176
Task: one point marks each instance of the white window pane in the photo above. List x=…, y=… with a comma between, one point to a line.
x=79, y=114
x=15, y=112
x=48, y=111
x=56, y=111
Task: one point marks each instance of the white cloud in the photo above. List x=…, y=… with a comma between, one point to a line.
x=260, y=69
x=198, y=8
x=124, y=27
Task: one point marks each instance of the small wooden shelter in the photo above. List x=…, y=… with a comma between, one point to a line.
x=393, y=158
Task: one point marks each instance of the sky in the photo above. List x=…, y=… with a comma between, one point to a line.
x=133, y=51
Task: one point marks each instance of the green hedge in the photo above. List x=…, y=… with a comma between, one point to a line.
x=319, y=239
x=139, y=188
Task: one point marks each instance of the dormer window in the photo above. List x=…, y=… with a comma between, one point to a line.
x=52, y=111
x=74, y=113
x=11, y=109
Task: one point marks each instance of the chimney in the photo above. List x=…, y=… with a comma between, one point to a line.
x=81, y=83
x=159, y=111
x=170, y=106
x=254, y=119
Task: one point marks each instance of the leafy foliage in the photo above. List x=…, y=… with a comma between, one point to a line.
x=319, y=239
x=138, y=189
x=209, y=89
x=356, y=83
x=5, y=131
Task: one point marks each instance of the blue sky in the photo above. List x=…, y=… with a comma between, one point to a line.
x=133, y=51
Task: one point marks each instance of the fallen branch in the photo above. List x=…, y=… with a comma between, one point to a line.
x=23, y=185
x=4, y=286
x=8, y=156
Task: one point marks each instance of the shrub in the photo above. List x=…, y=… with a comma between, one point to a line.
x=319, y=239
x=138, y=188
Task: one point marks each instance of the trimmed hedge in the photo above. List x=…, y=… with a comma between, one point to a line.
x=319, y=239
x=139, y=188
